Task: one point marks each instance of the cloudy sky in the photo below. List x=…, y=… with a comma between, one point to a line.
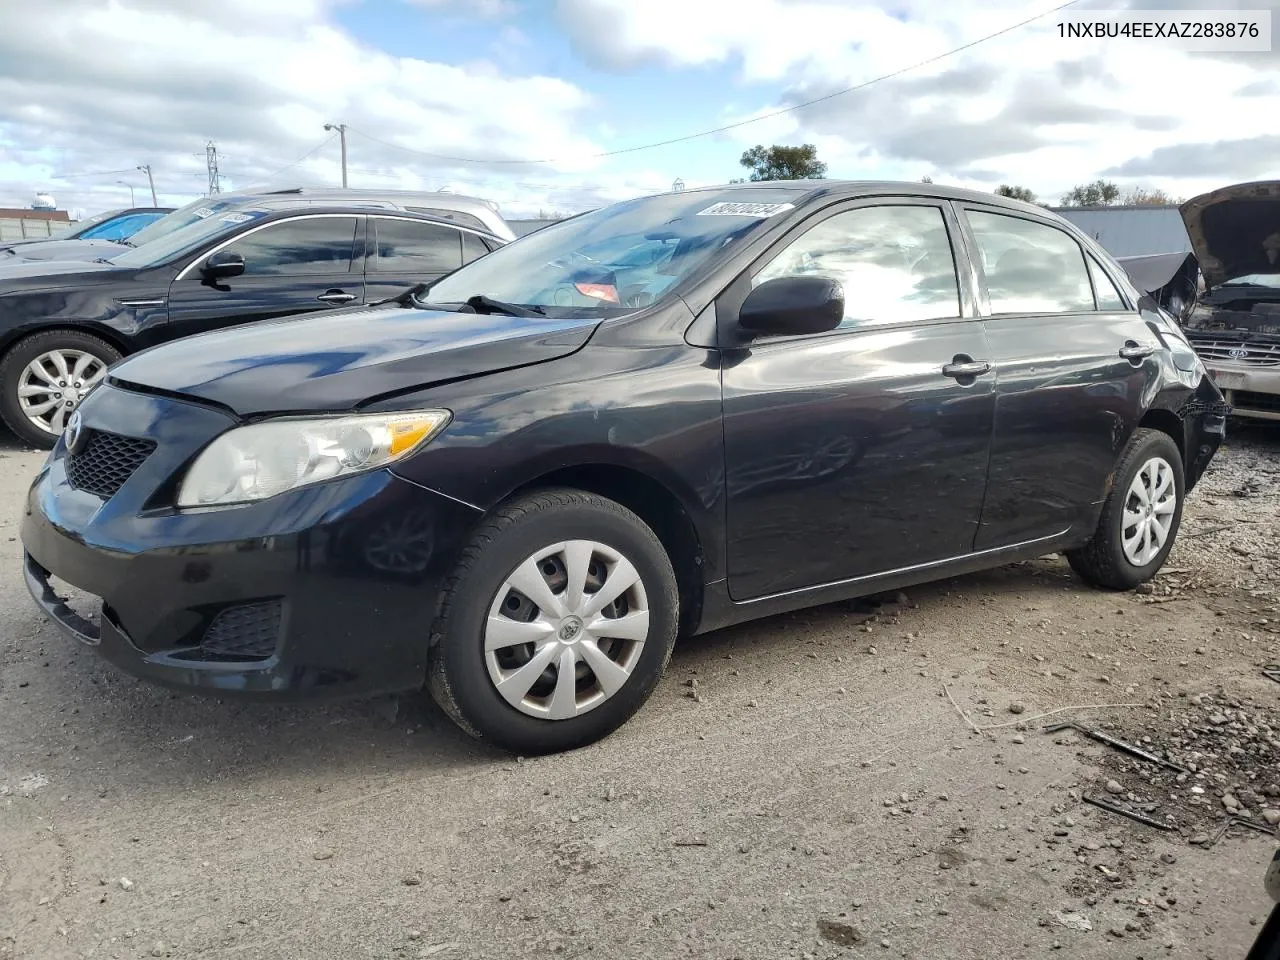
x=458, y=93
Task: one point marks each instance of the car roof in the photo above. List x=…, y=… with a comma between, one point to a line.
x=809, y=190
x=480, y=209
x=357, y=209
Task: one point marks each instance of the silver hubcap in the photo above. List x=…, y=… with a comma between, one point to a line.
x=1148, y=511
x=52, y=385
x=566, y=629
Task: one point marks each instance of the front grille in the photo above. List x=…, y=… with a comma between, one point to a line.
x=246, y=632
x=1258, y=354
x=1248, y=400
x=106, y=461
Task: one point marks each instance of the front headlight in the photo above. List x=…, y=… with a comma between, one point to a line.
x=264, y=459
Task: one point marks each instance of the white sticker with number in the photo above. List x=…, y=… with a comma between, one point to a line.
x=237, y=218
x=745, y=209
x=204, y=212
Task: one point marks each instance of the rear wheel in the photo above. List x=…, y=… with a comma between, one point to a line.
x=556, y=625
x=44, y=377
x=1140, y=518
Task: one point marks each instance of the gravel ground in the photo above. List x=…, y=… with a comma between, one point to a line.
x=799, y=787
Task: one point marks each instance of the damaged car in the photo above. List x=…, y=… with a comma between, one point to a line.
x=1235, y=324
x=517, y=485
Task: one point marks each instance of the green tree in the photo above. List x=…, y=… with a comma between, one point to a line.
x=926, y=179
x=1015, y=193
x=784, y=163
x=1100, y=193
x=1142, y=197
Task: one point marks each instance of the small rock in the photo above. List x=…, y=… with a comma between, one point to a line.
x=411, y=881
x=1116, y=931
x=125, y=883
x=1199, y=839
x=1113, y=786
x=1019, y=738
x=1271, y=816
x=1230, y=802
x=159, y=949
x=322, y=855
x=1168, y=858
x=1217, y=719
x=1131, y=926
x=839, y=932
x=1017, y=707
x=415, y=934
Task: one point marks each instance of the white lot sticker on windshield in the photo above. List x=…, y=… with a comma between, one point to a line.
x=204, y=212
x=237, y=218
x=745, y=209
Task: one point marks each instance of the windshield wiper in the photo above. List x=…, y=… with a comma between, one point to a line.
x=482, y=304
x=126, y=243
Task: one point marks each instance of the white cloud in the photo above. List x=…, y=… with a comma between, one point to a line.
x=111, y=85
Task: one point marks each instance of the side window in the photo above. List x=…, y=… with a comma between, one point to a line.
x=894, y=262
x=298, y=247
x=1108, y=296
x=1030, y=267
x=473, y=247
x=411, y=246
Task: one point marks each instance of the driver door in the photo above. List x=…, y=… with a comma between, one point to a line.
x=302, y=264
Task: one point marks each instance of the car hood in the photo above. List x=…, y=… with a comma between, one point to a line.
x=45, y=274
x=45, y=250
x=1235, y=231
x=346, y=358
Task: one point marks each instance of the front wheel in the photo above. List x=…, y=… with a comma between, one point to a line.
x=556, y=625
x=43, y=378
x=1140, y=518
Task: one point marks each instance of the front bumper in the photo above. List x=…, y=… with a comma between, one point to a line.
x=326, y=591
x=1252, y=390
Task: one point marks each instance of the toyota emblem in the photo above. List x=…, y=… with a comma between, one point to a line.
x=73, y=435
x=1237, y=353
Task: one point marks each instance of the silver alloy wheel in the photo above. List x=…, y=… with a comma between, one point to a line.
x=566, y=629
x=53, y=384
x=1148, y=511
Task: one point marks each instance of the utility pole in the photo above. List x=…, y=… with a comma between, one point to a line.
x=211, y=160
x=122, y=183
x=146, y=168
x=342, y=135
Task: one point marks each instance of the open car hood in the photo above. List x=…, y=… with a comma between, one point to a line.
x=1235, y=230
x=340, y=360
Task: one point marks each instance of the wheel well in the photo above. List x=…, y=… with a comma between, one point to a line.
x=1167, y=422
x=109, y=336
x=658, y=507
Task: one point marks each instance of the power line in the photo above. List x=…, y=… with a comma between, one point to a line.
x=741, y=123
x=289, y=166
x=94, y=173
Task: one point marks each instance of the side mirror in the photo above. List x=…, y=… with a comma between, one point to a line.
x=793, y=305
x=223, y=265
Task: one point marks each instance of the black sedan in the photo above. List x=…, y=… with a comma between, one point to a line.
x=519, y=485
x=63, y=323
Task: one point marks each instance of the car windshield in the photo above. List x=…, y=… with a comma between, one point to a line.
x=194, y=212
x=88, y=223
x=1255, y=280
x=616, y=259
x=185, y=239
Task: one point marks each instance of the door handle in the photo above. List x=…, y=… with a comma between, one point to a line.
x=1133, y=350
x=336, y=296
x=962, y=367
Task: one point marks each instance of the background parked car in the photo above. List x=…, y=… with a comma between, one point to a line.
x=114, y=225
x=62, y=324
x=466, y=211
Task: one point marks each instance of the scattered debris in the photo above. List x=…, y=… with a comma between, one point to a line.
x=1240, y=822
x=689, y=843
x=1074, y=921
x=125, y=884
x=1272, y=672
x=1117, y=744
x=1136, y=817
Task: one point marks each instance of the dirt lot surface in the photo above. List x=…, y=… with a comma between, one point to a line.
x=798, y=787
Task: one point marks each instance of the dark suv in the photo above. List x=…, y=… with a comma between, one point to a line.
x=63, y=323
x=662, y=417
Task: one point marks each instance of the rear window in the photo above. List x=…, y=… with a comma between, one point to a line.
x=1030, y=267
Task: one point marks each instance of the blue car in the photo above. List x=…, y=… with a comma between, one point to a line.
x=105, y=229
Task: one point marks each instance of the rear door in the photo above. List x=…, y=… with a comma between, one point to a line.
x=1074, y=363
x=864, y=449
x=404, y=252
x=300, y=264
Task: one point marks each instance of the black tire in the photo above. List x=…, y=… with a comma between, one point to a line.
x=22, y=353
x=457, y=675
x=1102, y=561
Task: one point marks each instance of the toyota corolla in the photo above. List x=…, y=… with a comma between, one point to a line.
x=518, y=485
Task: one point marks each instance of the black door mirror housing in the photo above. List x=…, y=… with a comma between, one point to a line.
x=223, y=265
x=793, y=305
